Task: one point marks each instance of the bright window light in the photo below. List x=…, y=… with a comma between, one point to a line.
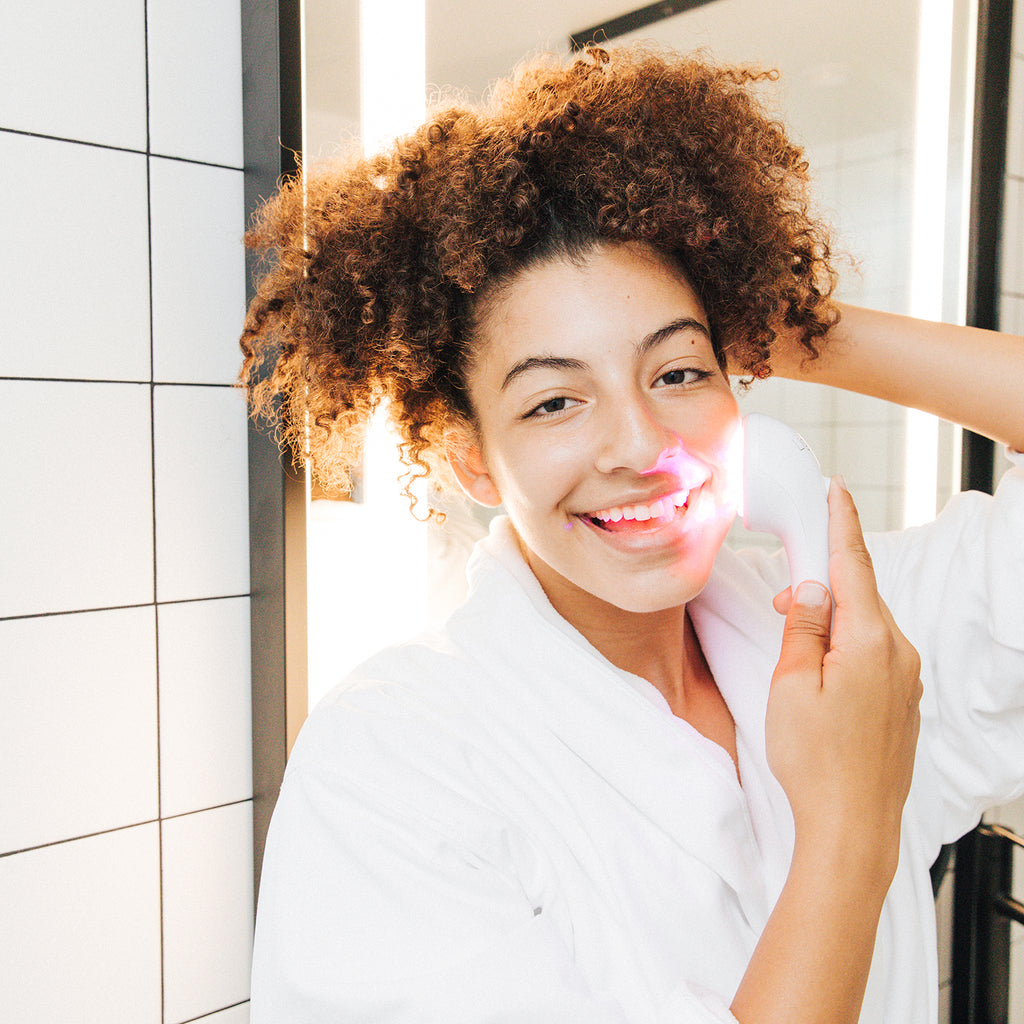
x=392, y=61
x=367, y=560
x=934, y=62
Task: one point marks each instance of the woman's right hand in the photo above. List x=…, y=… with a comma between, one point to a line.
x=842, y=729
x=843, y=716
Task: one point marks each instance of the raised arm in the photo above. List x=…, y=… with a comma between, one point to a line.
x=963, y=374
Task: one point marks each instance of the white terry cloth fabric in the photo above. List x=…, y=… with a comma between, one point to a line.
x=497, y=825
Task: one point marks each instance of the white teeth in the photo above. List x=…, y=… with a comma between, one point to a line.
x=660, y=509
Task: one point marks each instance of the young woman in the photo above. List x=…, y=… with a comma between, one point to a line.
x=619, y=786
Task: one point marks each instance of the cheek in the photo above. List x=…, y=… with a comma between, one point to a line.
x=536, y=474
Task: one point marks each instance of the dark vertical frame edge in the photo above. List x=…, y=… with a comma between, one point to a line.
x=988, y=176
x=272, y=122
x=971, y=994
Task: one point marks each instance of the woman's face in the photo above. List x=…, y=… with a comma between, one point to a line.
x=605, y=427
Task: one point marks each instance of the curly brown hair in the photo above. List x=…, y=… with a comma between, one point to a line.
x=377, y=265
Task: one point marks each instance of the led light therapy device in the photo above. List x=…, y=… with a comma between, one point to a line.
x=785, y=494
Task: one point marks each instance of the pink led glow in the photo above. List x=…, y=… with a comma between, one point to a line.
x=721, y=496
x=732, y=460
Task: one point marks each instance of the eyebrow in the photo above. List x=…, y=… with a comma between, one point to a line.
x=655, y=338
x=642, y=347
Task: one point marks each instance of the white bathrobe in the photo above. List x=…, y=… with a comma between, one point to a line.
x=497, y=825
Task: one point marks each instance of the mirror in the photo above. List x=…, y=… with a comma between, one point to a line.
x=886, y=132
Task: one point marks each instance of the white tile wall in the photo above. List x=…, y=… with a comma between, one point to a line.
x=81, y=931
x=1015, y=149
x=202, y=511
x=198, y=272
x=70, y=317
x=74, y=70
x=208, y=916
x=112, y=704
x=1013, y=238
x=1011, y=313
x=205, y=714
x=80, y=706
x=75, y=452
x=195, y=64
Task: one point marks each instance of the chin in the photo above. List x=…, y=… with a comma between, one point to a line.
x=651, y=600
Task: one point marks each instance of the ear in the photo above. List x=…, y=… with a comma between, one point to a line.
x=462, y=450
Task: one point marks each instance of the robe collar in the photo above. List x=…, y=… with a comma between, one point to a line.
x=621, y=724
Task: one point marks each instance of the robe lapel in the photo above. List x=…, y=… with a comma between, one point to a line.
x=617, y=723
x=741, y=635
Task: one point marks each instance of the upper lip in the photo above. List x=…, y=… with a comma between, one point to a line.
x=645, y=500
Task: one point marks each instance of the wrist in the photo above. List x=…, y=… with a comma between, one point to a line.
x=847, y=863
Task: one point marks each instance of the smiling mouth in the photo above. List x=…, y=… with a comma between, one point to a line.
x=622, y=518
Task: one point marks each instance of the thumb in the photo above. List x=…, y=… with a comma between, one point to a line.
x=805, y=638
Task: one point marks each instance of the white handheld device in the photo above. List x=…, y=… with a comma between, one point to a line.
x=784, y=494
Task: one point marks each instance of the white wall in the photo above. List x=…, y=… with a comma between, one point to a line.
x=125, y=806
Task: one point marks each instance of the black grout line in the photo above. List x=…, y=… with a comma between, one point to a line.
x=123, y=607
x=205, y=1016
x=122, y=149
x=204, y=810
x=152, y=458
x=122, y=828
x=140, y=383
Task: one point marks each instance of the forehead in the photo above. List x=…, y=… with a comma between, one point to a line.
x=609, y=299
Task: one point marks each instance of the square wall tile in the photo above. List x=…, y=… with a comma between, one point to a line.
x=77, y=500
x=1012, y=255
x=202, y=505
x=1015, y=117
x=198, y=272
x=869, y=456
x=78, y=741
x=77, y=71
x=76, y=257
x=195, y=79
x=858, y=410
x=205, y=704
x=1011, y=314
x=208, y=911
x=81, y=923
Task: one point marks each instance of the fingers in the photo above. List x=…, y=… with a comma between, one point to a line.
x=805, y=637
x=851, y=574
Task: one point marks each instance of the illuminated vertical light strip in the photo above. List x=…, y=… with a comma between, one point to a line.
x=934, y=61
x=392, y=63
x=392, y=100
x=307, y=476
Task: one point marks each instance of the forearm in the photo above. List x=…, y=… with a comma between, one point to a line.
x=812, y=962
x=963, y=374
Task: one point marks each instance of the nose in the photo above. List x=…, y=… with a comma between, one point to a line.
x=632, y=438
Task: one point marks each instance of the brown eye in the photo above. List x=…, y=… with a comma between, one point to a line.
x=683, y=375
x=551, y=407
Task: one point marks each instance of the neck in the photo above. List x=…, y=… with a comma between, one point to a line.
x=660, y=646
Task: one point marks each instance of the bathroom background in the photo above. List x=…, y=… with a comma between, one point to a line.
x=126, y=810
